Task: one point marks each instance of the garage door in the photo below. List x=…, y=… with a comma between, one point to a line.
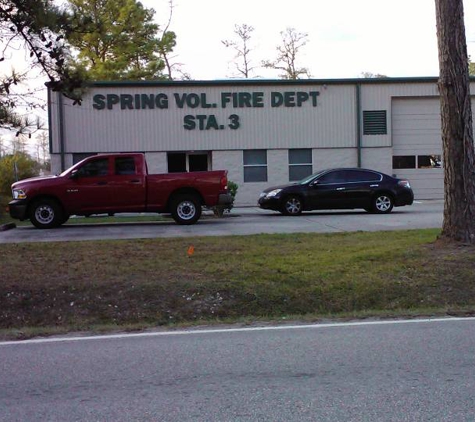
x=417, y=145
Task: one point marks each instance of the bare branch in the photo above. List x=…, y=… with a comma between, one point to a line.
x=242, y=49
x=286, y=60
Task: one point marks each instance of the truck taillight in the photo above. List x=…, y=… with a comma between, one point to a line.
x=224, y=183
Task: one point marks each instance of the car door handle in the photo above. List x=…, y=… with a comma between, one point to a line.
x=373, y=186
x=340, y=188
x=134, y=181
x=101, y=183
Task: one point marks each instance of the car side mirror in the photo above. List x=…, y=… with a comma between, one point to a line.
x=314, y=183
x=74, y=174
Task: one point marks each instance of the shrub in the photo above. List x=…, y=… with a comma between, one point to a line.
x=22, y=164
x=232, y=188
x=220, y=209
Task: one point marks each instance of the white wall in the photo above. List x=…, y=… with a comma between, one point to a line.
x=329, y=128
x=329, y=121
x=157, y=162
x=379, y=159
x=334, y=157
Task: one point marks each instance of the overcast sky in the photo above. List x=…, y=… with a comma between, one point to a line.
x=345, y=37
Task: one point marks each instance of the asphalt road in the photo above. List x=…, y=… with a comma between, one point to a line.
x=242, y=221
x=419, y=370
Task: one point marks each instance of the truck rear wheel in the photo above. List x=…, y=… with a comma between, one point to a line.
x=46, y=214
x=186, y=209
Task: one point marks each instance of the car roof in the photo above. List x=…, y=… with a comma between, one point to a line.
x=351, y=168
x=321, y=172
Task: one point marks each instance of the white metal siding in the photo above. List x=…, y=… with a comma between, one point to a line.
x=417, y=131
x=378, y=97
x=329, y=129
x=332, y=123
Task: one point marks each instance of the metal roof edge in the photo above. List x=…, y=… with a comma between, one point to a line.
x=254, y=82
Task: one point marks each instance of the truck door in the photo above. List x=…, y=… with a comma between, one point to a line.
x=88, y=190
x=129, y=184
x=108, y=184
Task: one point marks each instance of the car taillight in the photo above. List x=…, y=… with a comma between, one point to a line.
x=404, y=184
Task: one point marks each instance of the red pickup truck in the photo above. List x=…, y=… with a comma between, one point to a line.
x=116, y=183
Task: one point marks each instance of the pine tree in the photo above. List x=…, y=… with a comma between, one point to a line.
x=457, y=126
x=121, y=41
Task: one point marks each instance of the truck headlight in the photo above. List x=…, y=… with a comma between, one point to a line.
x=18, y=194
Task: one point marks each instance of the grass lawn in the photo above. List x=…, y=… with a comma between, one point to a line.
x=132, y=284
x=5, y=219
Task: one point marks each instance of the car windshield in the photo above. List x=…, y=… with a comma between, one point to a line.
x=308, y=179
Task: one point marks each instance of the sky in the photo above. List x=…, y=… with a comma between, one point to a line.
x=396, y=38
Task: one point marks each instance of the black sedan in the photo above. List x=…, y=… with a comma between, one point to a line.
x=342, y=188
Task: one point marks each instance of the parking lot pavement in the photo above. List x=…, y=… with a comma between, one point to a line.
x=241, y=221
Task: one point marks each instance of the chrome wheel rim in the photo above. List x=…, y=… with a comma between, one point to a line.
x=44, y=214
x=186, y=210
x=293, y=206
x=383, y=203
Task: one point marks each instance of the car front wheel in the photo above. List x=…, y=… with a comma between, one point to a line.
x=292, y=206
x=383, y=204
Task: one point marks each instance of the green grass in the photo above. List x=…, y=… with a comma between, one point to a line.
x=100, y=219
x=137, y=283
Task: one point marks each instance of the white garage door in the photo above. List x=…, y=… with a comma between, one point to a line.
x=417, y=145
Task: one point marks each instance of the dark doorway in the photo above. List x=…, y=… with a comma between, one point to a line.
x=198, y=162
x=176, y=162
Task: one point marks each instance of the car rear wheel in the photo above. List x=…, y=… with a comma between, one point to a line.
x=383, y=203
x=186, y=209
x=46, y=214
x=292, y=205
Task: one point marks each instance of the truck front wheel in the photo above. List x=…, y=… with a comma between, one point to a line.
x=186, y=209
x=46, y=214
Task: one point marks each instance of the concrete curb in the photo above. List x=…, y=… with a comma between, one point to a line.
x=7, y=226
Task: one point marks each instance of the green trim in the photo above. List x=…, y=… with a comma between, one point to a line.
x=359, y=140
x=264, y=82
x=50, y=120
x=61, y=131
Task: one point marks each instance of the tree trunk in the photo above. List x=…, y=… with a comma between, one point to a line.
x=457, y=129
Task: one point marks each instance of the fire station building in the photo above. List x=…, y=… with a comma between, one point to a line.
x=264, y=132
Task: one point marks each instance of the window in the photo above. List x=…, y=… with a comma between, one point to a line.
x=176, y=162
x=180, y=162
x=300, y=163
x=349, y=176
x=255, y=165
x=429, y=161
x=99, y=167
x=81, y=156
x=374, y=122
x=404, y=162
x=198, y=162
x=332, y=177
x=124, y=165
x=355, y=176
